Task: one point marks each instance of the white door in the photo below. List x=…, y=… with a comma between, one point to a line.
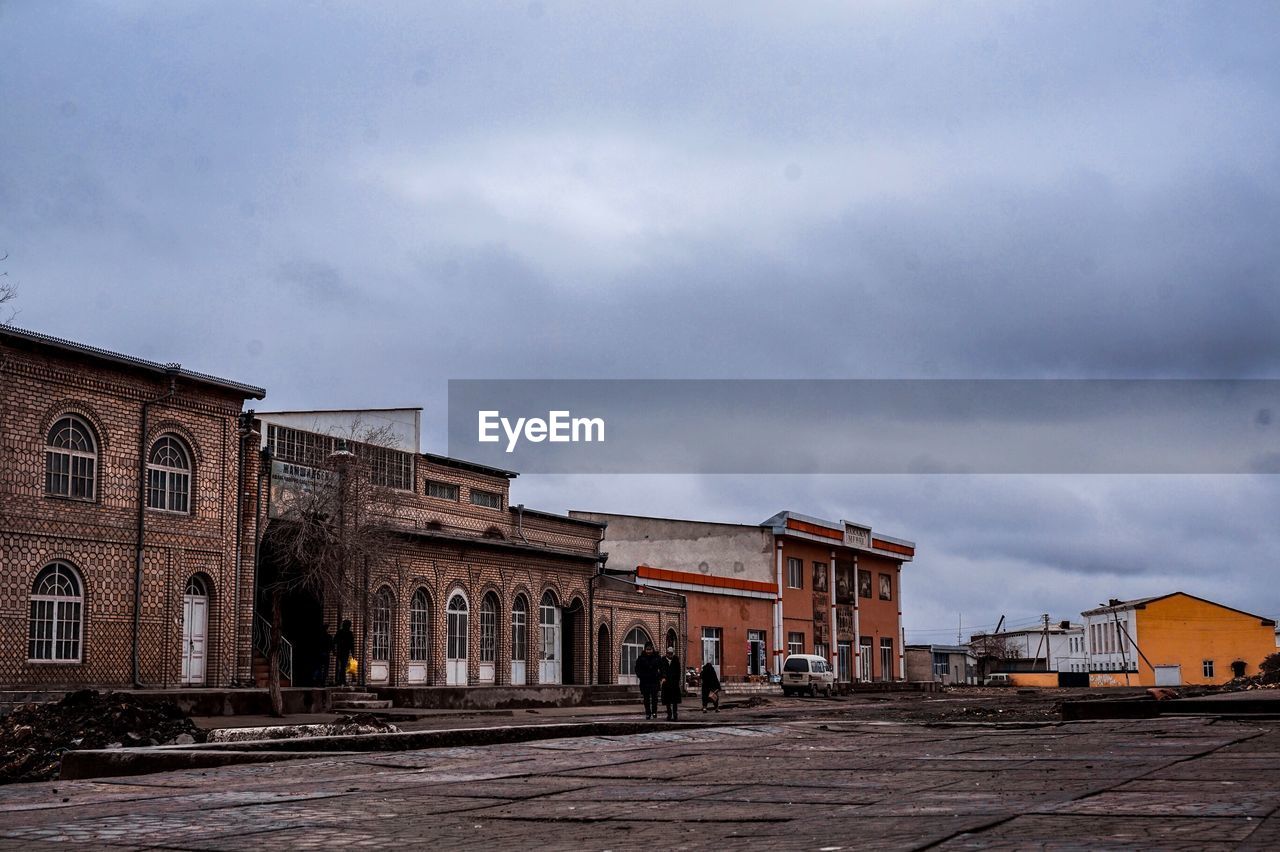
x=864, y=651
x=1169, y=675
x=519, y=640
x=195, y=632
x=419, y=637
x=380, y=651
x=488, y=639
x=549, y=621
x=456, y=652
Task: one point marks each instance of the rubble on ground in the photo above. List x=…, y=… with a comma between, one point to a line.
x=355, y=723
x=1241, y=684
x=34, y=736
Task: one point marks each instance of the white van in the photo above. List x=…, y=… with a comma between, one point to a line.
x=998, y=679
x=807, y=673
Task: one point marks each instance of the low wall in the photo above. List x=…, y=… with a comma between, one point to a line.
x=198, y=702
x=483, y=697
x=1035, y=679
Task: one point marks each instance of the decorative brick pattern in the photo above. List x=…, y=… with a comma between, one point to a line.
x=38, y=385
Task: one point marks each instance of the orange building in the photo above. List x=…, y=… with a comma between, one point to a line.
x=757, y=592
x=1172, y=640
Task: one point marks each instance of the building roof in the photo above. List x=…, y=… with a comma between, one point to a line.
x=1141, y=603
x=129, y=361
x=463, y=464
x=788, y=522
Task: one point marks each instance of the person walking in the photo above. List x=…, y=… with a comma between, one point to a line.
x=649, y=670
x=344, y=642
x=710, y=687
x=672, y=685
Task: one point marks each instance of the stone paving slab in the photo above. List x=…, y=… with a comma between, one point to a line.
x=1161, y=783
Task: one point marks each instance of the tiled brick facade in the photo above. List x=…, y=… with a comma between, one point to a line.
x=43, y=380
x=451, y=546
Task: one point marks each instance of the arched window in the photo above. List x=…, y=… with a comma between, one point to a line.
x=549, y=621
x=420, y=627
x=457, y=628
x=71, y=460
x=489, y=628
x=520, y=628
x=380, y=645
x=57, y=605
x=169, y=476
x=632, y=648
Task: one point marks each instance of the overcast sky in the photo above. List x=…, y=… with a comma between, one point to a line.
x=351, y=203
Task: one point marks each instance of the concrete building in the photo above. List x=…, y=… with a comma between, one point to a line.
x=1174, y=639
x=1051, y=654
x=948, y=664
x=125, y=528
x=473, y=590
x=757, y=592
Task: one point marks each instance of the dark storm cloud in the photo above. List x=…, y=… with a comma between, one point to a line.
x=350, y=205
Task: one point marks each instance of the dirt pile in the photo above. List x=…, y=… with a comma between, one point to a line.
x=34, y=736
x=1258, y=681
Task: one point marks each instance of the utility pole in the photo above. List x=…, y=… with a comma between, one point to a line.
x=1047, y=653
x=959, y=625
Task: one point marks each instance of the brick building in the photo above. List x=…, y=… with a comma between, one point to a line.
x=122, y=556
x=791, y=584
x=476, y=591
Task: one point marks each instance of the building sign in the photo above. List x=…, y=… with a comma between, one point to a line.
x=856, y=536
x=290, y=481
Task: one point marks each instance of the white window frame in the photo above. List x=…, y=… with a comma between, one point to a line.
x=489, y=628
x=169, y=476
x=380, y=625
x=632, y=647
x=483, y=498
x=458, y=623
x=55, y=620
x=520, y=628
x=712, y=646
x=795, y=642
x=71, y=459
x=420, y=626
x=795, y=573
x=1206, y=667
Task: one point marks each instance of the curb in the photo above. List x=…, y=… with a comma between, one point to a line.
x=104, y=763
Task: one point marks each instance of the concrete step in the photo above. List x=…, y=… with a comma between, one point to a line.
x=351, y=695
x=360, y=705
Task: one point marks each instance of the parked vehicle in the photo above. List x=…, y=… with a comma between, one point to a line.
x=997, y=679
x=806, y=673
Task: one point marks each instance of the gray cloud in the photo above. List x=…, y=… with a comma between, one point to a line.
x=350, y=209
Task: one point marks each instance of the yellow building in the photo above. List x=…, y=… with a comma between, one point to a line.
x=1172, y=640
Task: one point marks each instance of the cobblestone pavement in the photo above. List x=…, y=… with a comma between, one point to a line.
x=820, y=785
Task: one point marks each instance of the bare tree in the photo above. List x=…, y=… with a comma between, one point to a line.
x=8, y=293
x=989, y=649
x=332, y=531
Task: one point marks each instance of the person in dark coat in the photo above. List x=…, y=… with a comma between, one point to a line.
x=672, y=685
x=344, y=642
x=710, y=687
x=649, y=671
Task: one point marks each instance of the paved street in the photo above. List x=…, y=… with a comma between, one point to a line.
x=809, y=784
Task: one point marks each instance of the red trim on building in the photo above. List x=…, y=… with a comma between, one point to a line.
x=814, y=529
x=650, y=573
x=881, y=544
